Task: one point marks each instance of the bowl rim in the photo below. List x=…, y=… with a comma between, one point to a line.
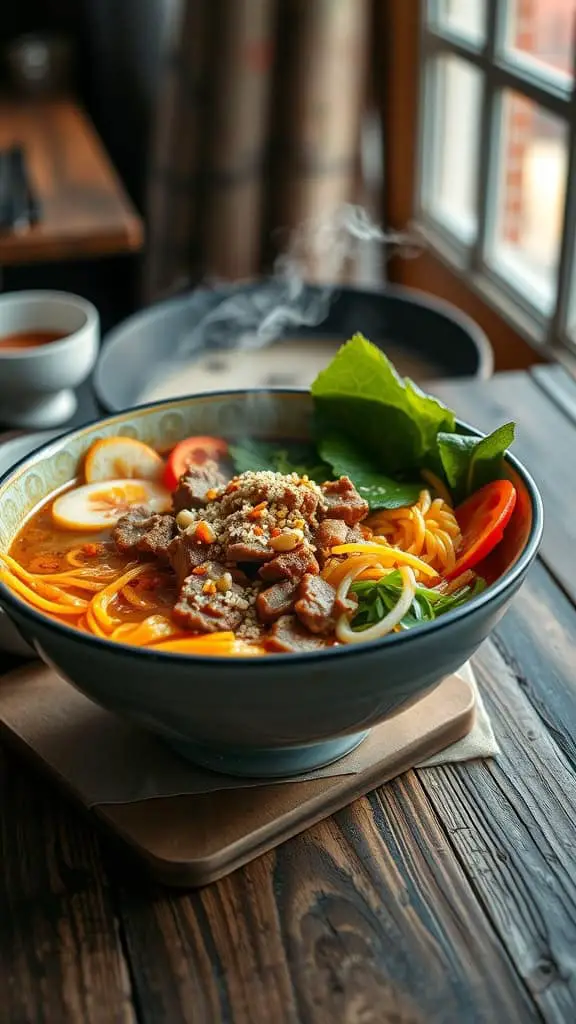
x=37, y=296
x=117, y=336
x=507, y=580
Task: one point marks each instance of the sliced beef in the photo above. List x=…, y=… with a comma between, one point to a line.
x=206, y=606
x=276, y=600
x=278, y=491
x=288, y=635
x=332, y=532
x=291, y=565
x=246, y=539
x=142, y=533
x=186, y=553
x=248, y=551
x=342, y=501
x=316, y=604
x=192, y=487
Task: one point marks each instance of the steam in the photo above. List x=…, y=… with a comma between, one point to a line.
x=256, y=315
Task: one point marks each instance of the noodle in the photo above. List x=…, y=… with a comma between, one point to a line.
x=36, y=600
x=150, y=630
x=80, y=558
x=39, y=585
x=100, y=602
x=437, y=485
x=132, y=603
x=385, y=554
x=428, y=529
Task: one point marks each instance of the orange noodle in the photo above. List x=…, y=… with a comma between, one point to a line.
x=101, y=601
x=37, y=600
x=429, y=530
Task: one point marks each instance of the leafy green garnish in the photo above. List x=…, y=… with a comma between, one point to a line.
x=380, y=430
x=377, y=598
x=251, y=455
x=471, y=462
x=379, y=490
x=361, y=395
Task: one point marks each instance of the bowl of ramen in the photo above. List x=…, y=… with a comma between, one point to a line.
x=262, y=576
x=48, y=346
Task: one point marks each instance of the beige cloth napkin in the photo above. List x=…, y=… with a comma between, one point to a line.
x=112, y=761
x=480, y=741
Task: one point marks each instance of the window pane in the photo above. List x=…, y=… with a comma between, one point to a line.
x=543, y=31
x=467, y=17
x=525, y=242
x=451, y=138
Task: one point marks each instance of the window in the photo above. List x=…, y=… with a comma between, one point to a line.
x=497, y=154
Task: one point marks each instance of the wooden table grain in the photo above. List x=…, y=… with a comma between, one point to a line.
x=449, y=895
x=85, y=211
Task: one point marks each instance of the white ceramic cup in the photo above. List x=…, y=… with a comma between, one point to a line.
x=36, y=383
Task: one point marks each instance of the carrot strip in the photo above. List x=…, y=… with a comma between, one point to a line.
x=216, y=643
x=386, y=554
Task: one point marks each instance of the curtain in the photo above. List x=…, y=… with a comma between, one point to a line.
x=257, y=129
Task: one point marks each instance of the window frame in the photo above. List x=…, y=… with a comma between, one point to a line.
x=555, y=93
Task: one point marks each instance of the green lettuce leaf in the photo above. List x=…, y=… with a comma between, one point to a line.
x=380, y=491
x=361, y=395
x=471, y=462
x=251, y=455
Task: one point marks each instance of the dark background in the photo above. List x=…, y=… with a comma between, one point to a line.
x=116, y=77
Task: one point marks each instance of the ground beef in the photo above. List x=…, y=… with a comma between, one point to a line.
x=342, y=501
x=288, y=635
x=193, y=486
x=276, y=600
x=210, y=601
x=291, y=565
x=332, y=532
x=141, y=533
x=316, y=604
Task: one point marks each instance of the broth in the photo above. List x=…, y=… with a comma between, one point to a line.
x=292, y=364
x=29, y=339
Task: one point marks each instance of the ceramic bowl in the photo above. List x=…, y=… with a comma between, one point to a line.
x=13, y=450
x=266, y=716
x=36, y=384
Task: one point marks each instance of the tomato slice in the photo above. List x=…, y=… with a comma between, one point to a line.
x=193, y=451
x=483, y=518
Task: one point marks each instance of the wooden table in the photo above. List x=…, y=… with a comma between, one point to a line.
x=85, y=210
x=447, y=896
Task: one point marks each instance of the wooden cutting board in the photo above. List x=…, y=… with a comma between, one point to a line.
x=192, y=840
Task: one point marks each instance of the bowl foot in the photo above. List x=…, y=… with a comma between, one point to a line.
x=50, y=411
x=268, y=762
